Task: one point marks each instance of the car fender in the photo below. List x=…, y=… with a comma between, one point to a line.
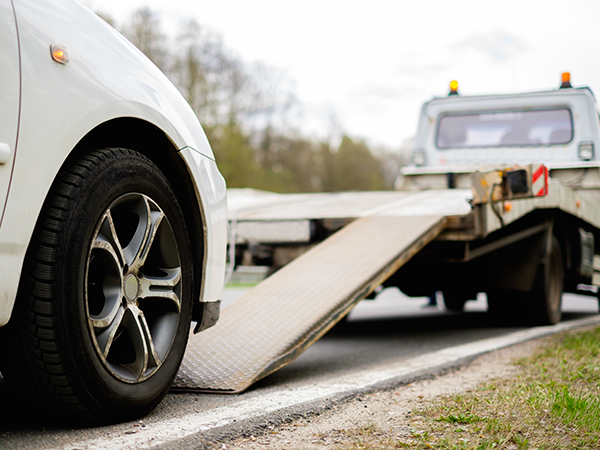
x=106, y=78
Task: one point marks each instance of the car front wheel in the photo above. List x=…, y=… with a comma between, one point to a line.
x=104, y=305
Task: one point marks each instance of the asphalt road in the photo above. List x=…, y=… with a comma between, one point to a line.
x=378, y=334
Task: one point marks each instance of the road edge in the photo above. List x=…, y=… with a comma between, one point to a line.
x=258, y=415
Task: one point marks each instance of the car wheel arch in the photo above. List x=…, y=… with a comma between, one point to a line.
x=151, y=141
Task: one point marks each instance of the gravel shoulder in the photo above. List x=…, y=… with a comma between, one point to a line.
x=390, y=411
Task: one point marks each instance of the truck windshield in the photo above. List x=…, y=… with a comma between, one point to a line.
x=505, y=128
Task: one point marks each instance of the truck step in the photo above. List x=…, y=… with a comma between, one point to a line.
x=273, y=323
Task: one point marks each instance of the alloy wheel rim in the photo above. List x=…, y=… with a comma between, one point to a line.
x=133, y=288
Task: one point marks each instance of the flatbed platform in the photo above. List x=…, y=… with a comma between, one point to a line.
x=276, y=321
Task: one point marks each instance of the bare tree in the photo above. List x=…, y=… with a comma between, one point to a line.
x=144, y=31
x=245, y=110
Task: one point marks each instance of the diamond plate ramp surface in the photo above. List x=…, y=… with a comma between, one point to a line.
x=273, y=323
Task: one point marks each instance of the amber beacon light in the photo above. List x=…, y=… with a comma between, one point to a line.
x=453, y=87
x=566, y=80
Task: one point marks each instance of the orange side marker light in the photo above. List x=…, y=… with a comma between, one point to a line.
x=59, y=53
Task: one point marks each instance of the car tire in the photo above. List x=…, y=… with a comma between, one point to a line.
x=103, y=311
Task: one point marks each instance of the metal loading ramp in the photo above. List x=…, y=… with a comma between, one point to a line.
x=273, y=323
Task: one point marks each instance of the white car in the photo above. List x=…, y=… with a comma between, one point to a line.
x=113, y=216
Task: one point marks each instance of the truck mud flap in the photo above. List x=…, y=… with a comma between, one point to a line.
x=273, y=323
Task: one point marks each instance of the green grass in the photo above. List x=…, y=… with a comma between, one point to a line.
x=461, y=418
x=553, y=403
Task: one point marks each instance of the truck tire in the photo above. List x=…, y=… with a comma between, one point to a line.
x=104, y=305
x=455, y=300
x=506, y=305
x=545, y=300
x=541, y=305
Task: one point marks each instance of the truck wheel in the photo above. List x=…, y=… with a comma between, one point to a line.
x=545, y=301
x=505, y=305
x=455, y=300
x=104, y=304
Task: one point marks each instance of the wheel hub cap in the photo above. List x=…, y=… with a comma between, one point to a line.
x=131, y=287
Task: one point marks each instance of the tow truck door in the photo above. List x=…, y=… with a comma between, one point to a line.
x=10, y=93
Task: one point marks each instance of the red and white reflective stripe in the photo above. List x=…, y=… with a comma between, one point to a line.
x=539, y=180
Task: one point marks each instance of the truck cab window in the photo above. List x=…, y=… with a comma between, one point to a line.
x=505, y=128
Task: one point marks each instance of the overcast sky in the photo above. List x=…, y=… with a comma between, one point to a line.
x=372, y=63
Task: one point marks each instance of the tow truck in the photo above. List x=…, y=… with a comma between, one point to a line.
x=502, y=197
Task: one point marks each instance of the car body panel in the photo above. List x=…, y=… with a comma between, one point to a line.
x=212, y=189
x=10, y=80
x=106, y=78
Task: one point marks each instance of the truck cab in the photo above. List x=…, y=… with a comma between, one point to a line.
x=458, y=135
x=548, y=127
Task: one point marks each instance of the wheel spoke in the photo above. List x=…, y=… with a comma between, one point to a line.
x=138, y=241
x=161, y=287
x=150, y=218
x=151, y=358
x=141, y=338
x=103, y=288
x=108, y=314
x=106, y=337
x=156, y=218
x=107, y=239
